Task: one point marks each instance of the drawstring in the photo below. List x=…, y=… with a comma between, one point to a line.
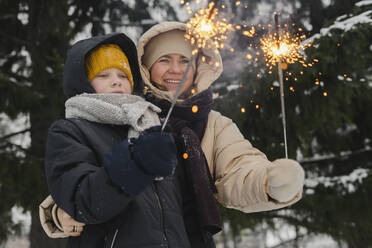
x=113, y=240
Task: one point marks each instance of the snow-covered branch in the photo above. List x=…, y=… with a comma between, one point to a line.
x=14, y=134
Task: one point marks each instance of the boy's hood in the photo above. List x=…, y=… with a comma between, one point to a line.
x=205, y=74
x=75, y=80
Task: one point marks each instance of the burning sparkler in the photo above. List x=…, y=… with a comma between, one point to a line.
x=283, y=47
x=205, y=29
x=280, y=49
x=205, y=26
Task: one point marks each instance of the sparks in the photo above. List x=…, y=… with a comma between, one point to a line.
x=283, y=48
x=249, y=33
x=205, y=26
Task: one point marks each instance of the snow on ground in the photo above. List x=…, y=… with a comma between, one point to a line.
x=282, y=236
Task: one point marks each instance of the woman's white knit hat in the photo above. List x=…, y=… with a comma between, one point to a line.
x=169, y=42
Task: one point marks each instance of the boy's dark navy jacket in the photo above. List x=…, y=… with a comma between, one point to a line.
x=80, y=184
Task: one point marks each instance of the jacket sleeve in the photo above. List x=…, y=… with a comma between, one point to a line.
x=78, y=184
x=240, y=170
x=47, y=214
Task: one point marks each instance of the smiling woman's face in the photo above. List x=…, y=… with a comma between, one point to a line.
x=168, y=70
x=111, y=80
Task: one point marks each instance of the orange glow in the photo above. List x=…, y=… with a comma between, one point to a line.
x=284, y=66
x=194, y=109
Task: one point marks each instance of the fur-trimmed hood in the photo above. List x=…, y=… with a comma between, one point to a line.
x=206, y=73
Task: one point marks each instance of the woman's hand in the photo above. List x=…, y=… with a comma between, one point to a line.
x=285, y=180
x=69, y=225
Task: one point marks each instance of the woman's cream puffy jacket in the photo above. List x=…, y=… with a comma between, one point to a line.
x=241, y=171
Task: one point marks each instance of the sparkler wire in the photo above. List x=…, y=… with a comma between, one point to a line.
x=280, y=75
x=178, y=91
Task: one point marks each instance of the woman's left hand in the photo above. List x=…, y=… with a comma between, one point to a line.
x=285, y=179
x=69, y=225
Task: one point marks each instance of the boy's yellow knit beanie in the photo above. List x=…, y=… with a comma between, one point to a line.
x=105, y=57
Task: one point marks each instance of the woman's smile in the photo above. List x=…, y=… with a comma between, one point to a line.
x=168, y=70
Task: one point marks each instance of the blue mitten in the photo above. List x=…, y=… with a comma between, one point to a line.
x=155, y=152
x=124, y=172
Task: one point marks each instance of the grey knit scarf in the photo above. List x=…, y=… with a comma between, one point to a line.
x=116, y=109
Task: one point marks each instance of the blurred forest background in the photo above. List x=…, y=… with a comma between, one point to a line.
x=329, y=106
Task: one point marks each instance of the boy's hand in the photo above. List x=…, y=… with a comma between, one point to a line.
x=134, y=164
x=69, y=225
x=285, y=180
x=155, y=152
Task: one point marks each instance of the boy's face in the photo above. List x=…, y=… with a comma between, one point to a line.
x=168, y=70
x=111, y=80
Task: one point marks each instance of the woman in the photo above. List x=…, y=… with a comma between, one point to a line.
x=218, y=163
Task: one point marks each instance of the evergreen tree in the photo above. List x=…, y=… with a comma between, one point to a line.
x=327, y=123
x=34, y=39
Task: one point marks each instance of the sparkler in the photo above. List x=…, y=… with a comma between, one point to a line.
x=283, y=47
x=178, y=91
x=206, y=26
x=200, y=30
x=280, y=49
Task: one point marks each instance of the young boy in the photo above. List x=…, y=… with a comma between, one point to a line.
x=102, y=160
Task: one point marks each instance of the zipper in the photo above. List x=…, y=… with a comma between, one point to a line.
x=155, y=188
